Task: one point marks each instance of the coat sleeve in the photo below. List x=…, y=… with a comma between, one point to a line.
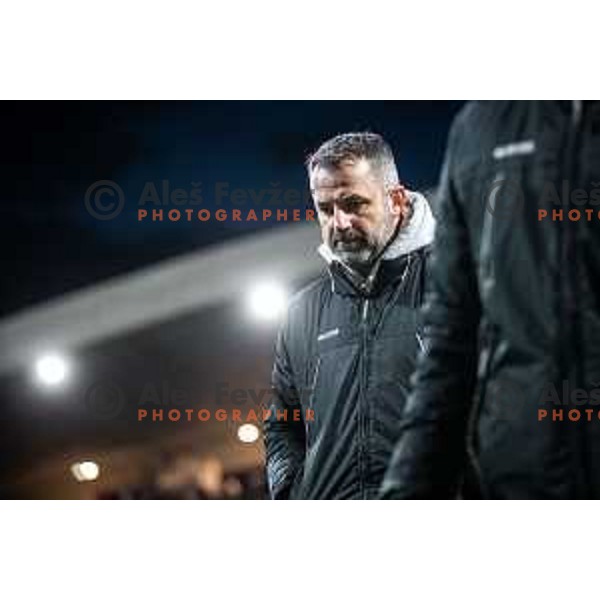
x=430, y=456
x=284, y=438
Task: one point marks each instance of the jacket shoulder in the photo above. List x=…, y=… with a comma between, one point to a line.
x=479, y=113
x=476, y=131
x=478, y=123
x=309, y=295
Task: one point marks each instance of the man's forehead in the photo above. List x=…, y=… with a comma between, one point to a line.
x=347, y=174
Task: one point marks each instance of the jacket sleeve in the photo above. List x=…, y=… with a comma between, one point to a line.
x=430, y=456
x=284, y=438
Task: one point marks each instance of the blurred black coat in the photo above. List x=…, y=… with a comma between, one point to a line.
x=512, y=310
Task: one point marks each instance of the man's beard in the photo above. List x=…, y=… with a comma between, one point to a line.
x=353, y=247
x=359, y=249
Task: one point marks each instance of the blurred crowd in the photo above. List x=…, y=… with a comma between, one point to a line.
x=189, y=477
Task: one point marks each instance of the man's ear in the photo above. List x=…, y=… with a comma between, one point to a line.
x=400, y=203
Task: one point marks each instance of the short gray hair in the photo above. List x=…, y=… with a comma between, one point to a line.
x=356, y=146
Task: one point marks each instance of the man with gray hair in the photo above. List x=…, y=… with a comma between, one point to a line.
x=347, y=348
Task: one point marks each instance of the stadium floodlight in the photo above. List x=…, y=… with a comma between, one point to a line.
x=86, y=470
x=248, y=433
x=267, y=300
x=51, y=369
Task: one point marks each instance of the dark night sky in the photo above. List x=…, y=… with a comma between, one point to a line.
x=53, y=151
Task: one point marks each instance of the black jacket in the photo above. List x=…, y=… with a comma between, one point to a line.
x=512, y=317
x=346, y=354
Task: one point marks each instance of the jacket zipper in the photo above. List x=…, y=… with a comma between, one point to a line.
x=311, y=399
x=363, y=404
x=362, y=437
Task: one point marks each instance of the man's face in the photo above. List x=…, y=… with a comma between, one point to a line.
x=357, y=215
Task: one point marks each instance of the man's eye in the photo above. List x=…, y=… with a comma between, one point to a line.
x=326, y=209
x=353, y=204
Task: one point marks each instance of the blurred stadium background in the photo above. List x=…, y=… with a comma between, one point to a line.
x=102, y=317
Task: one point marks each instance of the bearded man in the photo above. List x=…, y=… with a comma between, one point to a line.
x=349, y=343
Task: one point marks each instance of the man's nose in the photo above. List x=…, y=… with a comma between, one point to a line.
x=341, y=219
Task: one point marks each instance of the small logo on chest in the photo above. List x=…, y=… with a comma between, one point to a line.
x=328, y=334
x=514, y=149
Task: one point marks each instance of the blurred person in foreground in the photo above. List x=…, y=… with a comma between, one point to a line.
x=349, y=343
x=512, y=315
